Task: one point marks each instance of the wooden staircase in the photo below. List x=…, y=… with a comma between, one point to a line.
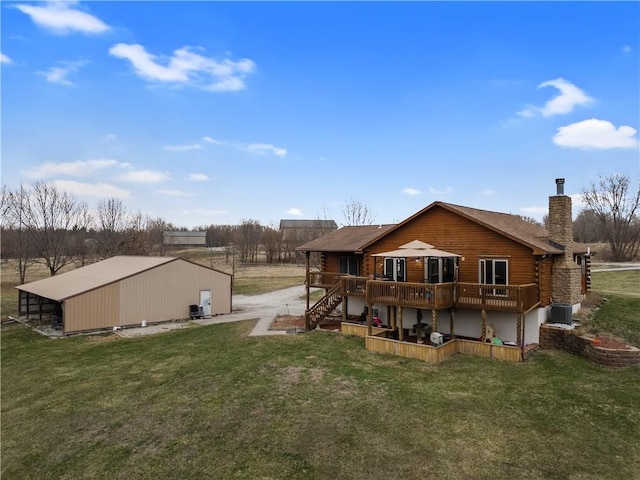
x=323, y=307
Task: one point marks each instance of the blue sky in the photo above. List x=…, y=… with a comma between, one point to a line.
x=211, y=113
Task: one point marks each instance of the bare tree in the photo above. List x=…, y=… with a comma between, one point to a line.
x=220, y=235
x=50, y=217
x=248, y=236
x=587, y=228
x=82, y=246
x=615, y=206
x=356, y=213
x=155, y=234
x=112, y=220
x=135, y=240
x=272, y=242
x=16, y=243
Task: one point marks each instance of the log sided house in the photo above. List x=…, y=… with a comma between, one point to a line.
x=451, y=279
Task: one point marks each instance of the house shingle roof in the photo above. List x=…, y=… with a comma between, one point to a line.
x=346, y=239
x=512, y=226
x=355, y=239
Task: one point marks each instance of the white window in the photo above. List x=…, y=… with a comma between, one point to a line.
x=494, y=272
x=439, y=269
x=350, y=265
x=395, y=269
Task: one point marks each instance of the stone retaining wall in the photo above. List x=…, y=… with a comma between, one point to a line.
x=569, y=340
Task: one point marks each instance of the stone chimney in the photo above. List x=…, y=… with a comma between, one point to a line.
x=567, y=286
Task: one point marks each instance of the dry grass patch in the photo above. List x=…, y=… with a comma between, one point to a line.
x=287, y=322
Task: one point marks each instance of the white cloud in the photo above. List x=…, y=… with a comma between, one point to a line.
x=488, y=193
x=595, y=134
x=262, y=148
x=186, y=67
x=59, y=74
x=434, y=191
x=198, y=177
x=626, y=49
x=4, y=58
x=144, y=176
x=176, y=193
x=91, y=189
x=79, y=168
x=296, y=212
x=411, y=191
x=59, y=18
x=110, y=136
x=569, y=97
x=211, y=140
x=182, y=148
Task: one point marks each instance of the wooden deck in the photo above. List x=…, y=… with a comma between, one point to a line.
x=431, y=354
x=426, y=352
x=436, y=296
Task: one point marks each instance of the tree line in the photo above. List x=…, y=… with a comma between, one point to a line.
x=42, y=224
x=46, y=225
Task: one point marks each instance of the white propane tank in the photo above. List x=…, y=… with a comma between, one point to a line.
x=436, y=338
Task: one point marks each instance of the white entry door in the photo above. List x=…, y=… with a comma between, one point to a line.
x=205, y=301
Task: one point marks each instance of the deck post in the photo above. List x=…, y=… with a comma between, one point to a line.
x=434, y=319
x=419, y=338
x=519, y=330
x=400, y=327
x=451, y=315
x=307, y=279
x=345, y=305
x=483, y=317
x=369, y=318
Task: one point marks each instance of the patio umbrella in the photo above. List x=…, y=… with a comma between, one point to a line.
x=416, y=248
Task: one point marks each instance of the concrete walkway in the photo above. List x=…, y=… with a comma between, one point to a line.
x=613, y=267
x=264, y=307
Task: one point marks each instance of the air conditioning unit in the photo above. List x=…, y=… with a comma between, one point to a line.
x=561, y=313
x=436, y=338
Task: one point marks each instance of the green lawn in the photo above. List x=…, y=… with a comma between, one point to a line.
x=258, y=285
x=620, y=314
x=624, y=282
x=211, y=402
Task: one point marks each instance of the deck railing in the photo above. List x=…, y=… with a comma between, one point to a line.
x=436, y=296
x=324, y=279
x=322, y=308
x=410, y=294
x=354, y=286
x=433, y=354
x=509, y=298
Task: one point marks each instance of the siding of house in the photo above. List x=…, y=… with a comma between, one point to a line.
x=159, y=294
x=166, y=292
x=454, y=233
x=545, y=273
x=93, y=310
x=331, y=261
